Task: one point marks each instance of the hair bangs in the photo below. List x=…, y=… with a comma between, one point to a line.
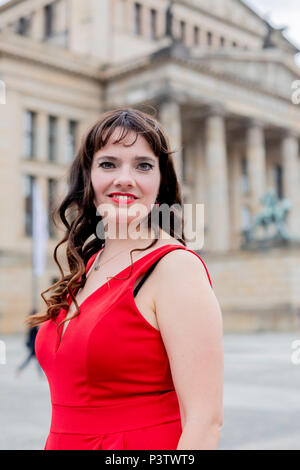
x=128, y=123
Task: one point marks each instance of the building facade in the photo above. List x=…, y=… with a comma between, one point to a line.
x=220, y=79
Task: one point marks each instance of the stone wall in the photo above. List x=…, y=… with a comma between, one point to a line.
x=257, y=290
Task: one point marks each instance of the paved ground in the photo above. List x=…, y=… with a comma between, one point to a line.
x=261, y=395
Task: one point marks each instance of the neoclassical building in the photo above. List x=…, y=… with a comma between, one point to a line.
x=220, y=80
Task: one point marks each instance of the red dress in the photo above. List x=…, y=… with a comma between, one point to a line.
x=110, y=380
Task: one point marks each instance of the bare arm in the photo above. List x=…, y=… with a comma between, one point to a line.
x=190, y=321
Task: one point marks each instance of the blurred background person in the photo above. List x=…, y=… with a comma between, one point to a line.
x=30, y=344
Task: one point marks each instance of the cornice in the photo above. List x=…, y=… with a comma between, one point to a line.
x=46, y=55
x=263, y=56
x=9, y=4
x=50, y=57
x=133, y=67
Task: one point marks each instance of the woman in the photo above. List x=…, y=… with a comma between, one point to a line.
x=130, y=364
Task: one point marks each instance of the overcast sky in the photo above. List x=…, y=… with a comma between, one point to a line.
x=278, y=13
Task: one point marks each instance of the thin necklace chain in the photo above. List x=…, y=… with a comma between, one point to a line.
x=97, y=266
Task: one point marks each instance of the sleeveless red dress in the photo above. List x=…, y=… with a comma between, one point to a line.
x=110, y=380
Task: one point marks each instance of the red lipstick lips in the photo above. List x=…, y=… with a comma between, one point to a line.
x=123, y=200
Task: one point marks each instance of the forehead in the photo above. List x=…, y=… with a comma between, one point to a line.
x=131, y=141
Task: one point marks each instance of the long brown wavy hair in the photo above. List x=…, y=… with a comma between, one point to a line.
x=78, y=213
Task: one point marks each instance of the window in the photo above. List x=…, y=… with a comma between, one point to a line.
x=245, y=176
x=196, y=35
x=153, y=24
x=182, y=31
x=209, y=38
x=29, y=140
x=234, y=44
x=28, y=183
x=137, y=18
x=278, y=181
x=222, y=41
x=71, y=140
x=23, y=26
x=49, y=19
x=52, y=138
x=51, y=200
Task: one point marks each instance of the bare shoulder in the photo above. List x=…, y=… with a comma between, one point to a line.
x=180, y=262
x=182, y=284
x=180, y=267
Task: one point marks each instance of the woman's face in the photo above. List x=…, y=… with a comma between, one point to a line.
x=120, y=169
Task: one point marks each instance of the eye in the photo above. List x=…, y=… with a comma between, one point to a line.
x=149, y=165
x=109, y=163
x=104, y=163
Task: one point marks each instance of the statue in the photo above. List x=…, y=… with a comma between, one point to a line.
x=275, y=212
x=174, y=47
x=268, y=40
x=169, y=20
x=268, y=43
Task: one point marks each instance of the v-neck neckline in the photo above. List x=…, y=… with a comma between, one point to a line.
x=61, y=336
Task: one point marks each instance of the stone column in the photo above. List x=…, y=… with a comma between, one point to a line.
x=291, y=180
x=200, y=189
x=217, y=180
x=82, y=129
x=256, y=158
x=11, y=184
x=40, y=282
x=236, y=198
x=62, y=148
x=170, y=118
x=145, y=21
x=42, y=136
x=189, y=168
x=37, y=31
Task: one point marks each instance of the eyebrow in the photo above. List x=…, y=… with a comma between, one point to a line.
x=137, y=158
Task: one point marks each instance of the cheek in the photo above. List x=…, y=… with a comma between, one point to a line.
x=150, y=186
x=98, y=182
x=98, y=185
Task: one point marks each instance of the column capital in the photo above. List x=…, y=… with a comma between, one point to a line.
x=216, y=109
x=251, y=122
x=285, y=132
x=167, y=96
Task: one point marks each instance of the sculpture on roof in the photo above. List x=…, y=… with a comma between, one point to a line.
x=169, y=19
x=268, y=43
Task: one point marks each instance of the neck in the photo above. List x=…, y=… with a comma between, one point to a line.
x=141, y=239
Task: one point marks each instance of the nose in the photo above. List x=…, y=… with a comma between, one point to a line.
x=124, y=178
